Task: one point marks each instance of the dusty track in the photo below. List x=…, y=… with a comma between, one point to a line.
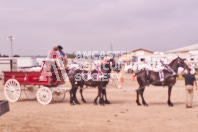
x=121, y=115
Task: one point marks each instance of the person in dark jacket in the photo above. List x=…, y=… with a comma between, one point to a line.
x=190, y=83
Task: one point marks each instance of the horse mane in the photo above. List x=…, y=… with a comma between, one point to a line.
x=173, y=61
x=104, y=63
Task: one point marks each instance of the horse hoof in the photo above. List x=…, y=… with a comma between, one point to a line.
x=76, y=102
x=95, y=103
x=107, y=102
x=72, y=103
x=102, y=104
x=145, y=104
x=138, y=103
x=170, y=104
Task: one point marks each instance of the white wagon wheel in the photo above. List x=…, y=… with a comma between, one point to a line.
x=44, y=95
x=58, y=95
x=12, y=90
x=30, y=92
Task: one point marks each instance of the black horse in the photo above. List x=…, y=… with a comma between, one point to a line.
x=146, y=77
x=95, y=78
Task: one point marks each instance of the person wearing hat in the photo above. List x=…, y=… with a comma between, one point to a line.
x=63, y=55
x=190, y=82
x=53, y=54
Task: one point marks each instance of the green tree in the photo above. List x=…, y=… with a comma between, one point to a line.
x=71, y=55
x=16, y=56
x=5, y=56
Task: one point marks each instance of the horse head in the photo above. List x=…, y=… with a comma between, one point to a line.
x=181, y=63
x=109, y=65
x=178, y=62
x=116, y=66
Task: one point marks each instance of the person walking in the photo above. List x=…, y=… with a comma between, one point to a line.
x=190, y=83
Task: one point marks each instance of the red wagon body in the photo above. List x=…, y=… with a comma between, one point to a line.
x=49, y=76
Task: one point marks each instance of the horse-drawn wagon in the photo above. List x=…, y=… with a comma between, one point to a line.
x=47, y=79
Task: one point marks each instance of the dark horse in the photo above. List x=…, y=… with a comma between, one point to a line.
x=146, y=77
x=95, y=78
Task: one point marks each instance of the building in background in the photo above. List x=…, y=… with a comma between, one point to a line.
x=133, y=55
x=193, y=49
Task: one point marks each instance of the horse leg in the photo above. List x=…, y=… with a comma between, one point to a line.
x=75, y=99
x=101, y=96
x=82, y=98
x=137, y=101
x=95, y=100
x=143, y=101
x=105, y=95
x=72, y=96
x=169, y=94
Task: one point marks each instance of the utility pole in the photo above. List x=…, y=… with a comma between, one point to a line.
x=111, y=45
x=11, y=38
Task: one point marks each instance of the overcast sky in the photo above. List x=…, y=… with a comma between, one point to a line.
x=77, y=25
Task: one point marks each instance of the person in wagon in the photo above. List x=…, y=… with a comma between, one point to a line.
x=190, y=83
x=53, y=54
x=63, y=56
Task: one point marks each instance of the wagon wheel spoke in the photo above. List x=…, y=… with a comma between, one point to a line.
x=12, y=90
x=58, y=95
x=44, y=95
x=30, y=92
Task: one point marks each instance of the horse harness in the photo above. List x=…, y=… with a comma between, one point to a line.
x=161, y=75
x=100, y=74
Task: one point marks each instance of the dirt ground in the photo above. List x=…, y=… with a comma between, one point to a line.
x=122, y=115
